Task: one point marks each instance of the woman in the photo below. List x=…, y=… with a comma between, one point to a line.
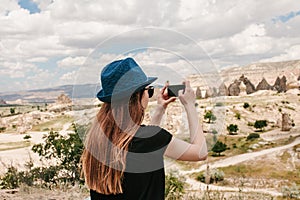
x=124, y=159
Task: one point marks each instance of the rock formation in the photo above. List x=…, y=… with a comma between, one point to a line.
x=2, y=102
x=286, y=122
x=250, y=88
x=198, y=93
x=280, y=84
x=63, y=99
x=263, y=85
x=223, y=91
x=234, y=89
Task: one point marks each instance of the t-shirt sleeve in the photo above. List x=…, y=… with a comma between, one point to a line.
x=150, y=138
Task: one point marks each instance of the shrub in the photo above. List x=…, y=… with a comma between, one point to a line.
x=219, y=147
x=292, y=192
x=210, y=116
x=215, y=175
x=12, y=111
x=26, y=137
x=238, y=115
x=66, y=150
x=10, y=180
x=219, y=104
x=246, y=105
x=174, y=186
x=232, y=129
x=2, y=129
x=252, y=136
x=260, y=124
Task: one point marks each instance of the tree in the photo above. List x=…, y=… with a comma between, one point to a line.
x=260, y=124
x=66, y=150
x=232, y=129
x=12, y=111
x=219, y=147
x=210, y=116
x=246, y=105
x=252, y=136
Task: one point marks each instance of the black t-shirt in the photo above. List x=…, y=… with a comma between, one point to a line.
x=144, y=177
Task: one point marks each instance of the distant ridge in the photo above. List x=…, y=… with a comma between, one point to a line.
x=51, y=94
x=255, y=72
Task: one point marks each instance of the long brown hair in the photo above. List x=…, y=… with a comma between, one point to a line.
x=106, y=144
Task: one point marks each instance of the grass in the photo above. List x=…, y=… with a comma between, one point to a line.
x=55, y=124
x=265, y=169
x=13, y=145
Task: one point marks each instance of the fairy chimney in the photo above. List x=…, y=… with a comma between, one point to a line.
x=263, y=85
x=250, y=88
x=2, y=102
x=234, y=89
x=286, y=122
x=280, y=84
x=223, y=91
x=198, y=93
x=63, y=99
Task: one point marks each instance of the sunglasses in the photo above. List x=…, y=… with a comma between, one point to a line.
x=150, y=91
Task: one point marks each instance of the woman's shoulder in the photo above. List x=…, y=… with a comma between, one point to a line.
x=150, y=138
x=150, y=131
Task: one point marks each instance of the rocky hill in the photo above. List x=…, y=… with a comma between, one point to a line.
x=269, y=71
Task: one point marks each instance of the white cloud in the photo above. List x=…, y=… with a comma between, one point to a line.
x=232, y=32
x=71, y=62
x=293, y=53
x=68, y=77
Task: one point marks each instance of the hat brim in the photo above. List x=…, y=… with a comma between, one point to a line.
x=124, y=94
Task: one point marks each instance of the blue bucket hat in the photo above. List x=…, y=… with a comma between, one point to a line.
x=121, y=78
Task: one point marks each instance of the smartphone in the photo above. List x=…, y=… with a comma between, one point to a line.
x=173, y=90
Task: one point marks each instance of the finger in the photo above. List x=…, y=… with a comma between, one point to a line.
x=163, y=89
x=170, y=100
x=187, y=84
x=180, y=93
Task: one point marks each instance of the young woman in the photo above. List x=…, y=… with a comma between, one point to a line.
x=123, y=159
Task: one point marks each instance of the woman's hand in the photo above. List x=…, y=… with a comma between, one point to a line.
x=188, y=97
x=163, y=99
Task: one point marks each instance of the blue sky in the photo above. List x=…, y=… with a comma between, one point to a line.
x=287, y=17
x=46, y=43
x=29, y=5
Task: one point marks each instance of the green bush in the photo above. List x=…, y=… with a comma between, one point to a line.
x=210, y=116
x=252, y=136
x=215, y=176
x=232, y=129
x=10, y=180
x=2, y=129
x=65, y=150
x=219, y=147
x=260, y=124
x=238, y=115
x=174, y=187
x=246, y=105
